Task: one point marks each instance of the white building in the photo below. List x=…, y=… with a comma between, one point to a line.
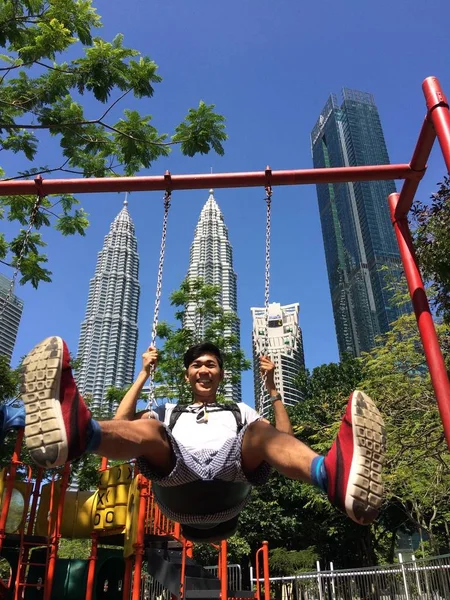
x=109, y=334
x=284, y=346
x=211, y=259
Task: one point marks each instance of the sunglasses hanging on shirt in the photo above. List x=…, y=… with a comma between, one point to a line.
x=202, y=415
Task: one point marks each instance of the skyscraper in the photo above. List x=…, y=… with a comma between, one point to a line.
x=109, y=334
x=10, y=321
x=285, y=348
x=360, y=247
x=211, y=259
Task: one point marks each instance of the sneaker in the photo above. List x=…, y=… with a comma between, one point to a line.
x=11, y=417
x=354, y=463
x=57, y=419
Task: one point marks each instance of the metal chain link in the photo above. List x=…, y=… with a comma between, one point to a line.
x=265, y=344
x=162, y=252
x=33, y=215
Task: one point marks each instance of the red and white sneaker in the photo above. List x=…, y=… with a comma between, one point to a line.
x=57, y=419
x=354, y=463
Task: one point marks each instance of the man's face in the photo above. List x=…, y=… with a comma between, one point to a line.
x=204, y=375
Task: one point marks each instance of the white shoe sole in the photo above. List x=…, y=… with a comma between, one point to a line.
x=45, y=434
x=364, y=493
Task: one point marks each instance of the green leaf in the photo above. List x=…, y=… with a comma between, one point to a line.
x=201, y=131
x=32, y=270
x=71, y=224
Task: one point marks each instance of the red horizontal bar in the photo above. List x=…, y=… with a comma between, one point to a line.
x=205, y=181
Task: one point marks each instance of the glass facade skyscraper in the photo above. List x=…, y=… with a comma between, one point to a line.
x=360, y=247
x=109, y=333
x=10, y=321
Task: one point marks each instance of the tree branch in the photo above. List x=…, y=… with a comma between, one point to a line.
x=61, y=168
x=112, y=105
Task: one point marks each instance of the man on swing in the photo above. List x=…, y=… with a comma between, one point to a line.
x=195, y=462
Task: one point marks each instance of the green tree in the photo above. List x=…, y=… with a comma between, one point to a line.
x=432, y=243
x=9, y=380
x=196, y=302
x=417, y=473
x=284, y=562
x=62, y=85
x=9, y=389
x=296, y=516
x=238, y=552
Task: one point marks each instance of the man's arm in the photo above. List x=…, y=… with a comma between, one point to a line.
x=127, y=408
x=282, y=421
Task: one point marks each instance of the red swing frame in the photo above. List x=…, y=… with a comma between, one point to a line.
x=436, y=124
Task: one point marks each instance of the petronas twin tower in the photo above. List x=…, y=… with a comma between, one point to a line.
x=109, y=333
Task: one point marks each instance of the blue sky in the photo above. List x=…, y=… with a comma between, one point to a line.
x=269, y=68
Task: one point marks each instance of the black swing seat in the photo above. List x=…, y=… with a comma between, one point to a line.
x=204, y=498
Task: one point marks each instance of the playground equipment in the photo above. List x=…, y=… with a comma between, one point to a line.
x=122, y=512
x=144, y=526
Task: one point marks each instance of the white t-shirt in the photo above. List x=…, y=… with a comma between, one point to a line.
x=212, y=434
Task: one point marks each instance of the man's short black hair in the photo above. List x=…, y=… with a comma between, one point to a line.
x=198, y=350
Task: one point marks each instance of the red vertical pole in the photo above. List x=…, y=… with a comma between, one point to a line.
x=91, y=568
x=55, y=534
x=265, y=553
x=11, y=477
x=127, y=578
x=190, y=550
x=223, y=570
x=438, y=114
x=183, y=569
x=427, y=330
x=34, y=502
x=140, y=537
x=257, y=573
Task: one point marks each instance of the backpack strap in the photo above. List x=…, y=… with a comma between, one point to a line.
x=237, y=415
x=179, y=409
x=176, y=413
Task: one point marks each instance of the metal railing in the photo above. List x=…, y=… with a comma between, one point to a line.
x=234, y=576
x=151, y=589
x=424, y=579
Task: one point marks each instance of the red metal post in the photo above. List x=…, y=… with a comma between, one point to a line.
x=11, y=477
x=427, y=330
x=183, y=568
x=126, y=591
x=258, y=583
x=438, y=113
x=56, y=534
x=206, y=181
x=91, y=568
x=34, y=503
x=265, y=553
x=223, y=570
x=190, y=549
x=140, y=537
x=418, y=164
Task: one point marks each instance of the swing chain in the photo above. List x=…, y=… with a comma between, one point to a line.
x=33, y=215
x=162, y=252
x=265, y=344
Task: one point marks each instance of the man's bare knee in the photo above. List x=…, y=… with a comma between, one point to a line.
x=259, y=429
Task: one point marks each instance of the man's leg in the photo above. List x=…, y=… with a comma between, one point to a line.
x=59, y=426
x=351, y=471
